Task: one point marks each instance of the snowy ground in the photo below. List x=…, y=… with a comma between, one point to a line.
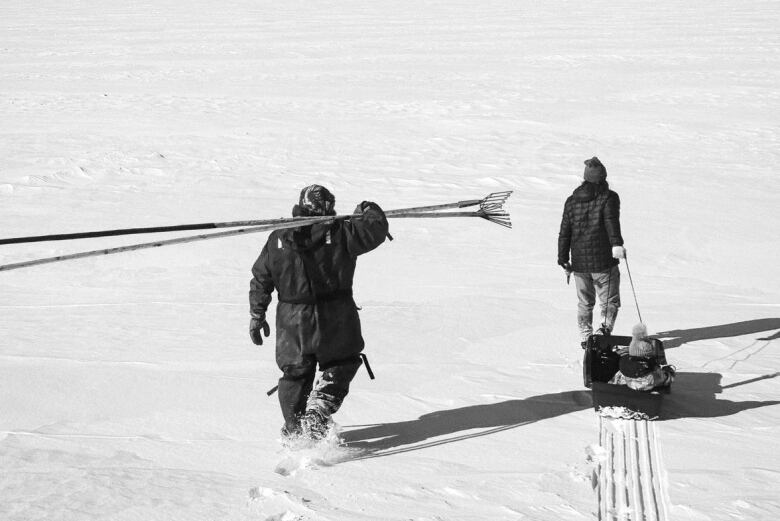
x=129, y=388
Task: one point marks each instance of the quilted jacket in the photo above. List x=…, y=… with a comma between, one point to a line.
x=590, y=227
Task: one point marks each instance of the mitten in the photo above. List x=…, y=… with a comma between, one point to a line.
x=618, y=252
x=258, y=327
x=365, y=205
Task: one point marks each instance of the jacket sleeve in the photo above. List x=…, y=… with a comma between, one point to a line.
x=564, y=235
x=612, y=220
x=366, y=232
x=261, y=286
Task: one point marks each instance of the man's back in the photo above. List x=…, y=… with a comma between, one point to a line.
x=312, y=269
x=590, y=227
x=316, y=262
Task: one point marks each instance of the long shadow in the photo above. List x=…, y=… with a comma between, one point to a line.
x=678, y=337
x=694, y=395
x=392, y=438
x=770, y=337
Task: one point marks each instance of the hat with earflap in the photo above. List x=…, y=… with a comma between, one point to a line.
x=640, y=345
x=595, y=172
x=315, y=200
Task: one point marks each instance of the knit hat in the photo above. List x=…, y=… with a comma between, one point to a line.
x=594, y=171
x=315, y=200
x=640, y=345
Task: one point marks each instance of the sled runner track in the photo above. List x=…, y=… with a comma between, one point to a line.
x=660, y=483
x=630, y=482
x=606, y=474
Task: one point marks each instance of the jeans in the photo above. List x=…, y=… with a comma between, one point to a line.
x=605, y=286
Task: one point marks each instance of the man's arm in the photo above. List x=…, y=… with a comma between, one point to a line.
x=612, y=220
x=261, y=286
x=368, y=231
x=564, y=236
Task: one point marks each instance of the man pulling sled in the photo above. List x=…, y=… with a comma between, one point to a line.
x=590, y=246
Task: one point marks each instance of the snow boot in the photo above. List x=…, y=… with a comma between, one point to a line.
x=669, y=372
x=288, y=432
x=315, y=425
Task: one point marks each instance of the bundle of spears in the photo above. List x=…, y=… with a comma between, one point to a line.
x=491, y=208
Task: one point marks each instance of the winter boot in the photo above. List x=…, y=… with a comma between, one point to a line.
x=289, y=432
x=669, y=372
x=294, y=388
x=603, y=330
x=315, y=425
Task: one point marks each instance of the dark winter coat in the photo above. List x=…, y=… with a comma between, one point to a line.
x=590, y=227
x=636, y=366
x=312, y=269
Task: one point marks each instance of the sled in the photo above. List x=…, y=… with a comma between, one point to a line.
x=600, y=364
x=622, y=402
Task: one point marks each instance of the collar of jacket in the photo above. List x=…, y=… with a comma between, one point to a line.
x=306, y=238
x=588, y=191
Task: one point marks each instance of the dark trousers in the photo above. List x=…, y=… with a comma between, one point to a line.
x=298, y=394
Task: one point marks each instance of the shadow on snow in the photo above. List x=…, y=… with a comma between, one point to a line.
x=694, y=396
x=393, y=438
x=678, y=337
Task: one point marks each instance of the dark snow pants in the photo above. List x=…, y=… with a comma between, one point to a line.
x=298, y=394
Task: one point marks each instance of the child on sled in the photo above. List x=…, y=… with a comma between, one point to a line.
x=638, y=367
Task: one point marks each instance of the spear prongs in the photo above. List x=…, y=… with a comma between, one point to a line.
x=494, y=202
x=491, y=208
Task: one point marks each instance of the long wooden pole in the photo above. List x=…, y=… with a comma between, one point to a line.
x=146, y=245
x=216, y=225
x=132, y=231
x=274, y=224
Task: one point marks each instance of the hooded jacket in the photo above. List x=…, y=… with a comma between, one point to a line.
x=590, y=227
x=312, y=269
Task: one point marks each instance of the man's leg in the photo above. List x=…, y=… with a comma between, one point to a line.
x=608, y=290
x=586, y=296
x=328, y=395
x=294, y=388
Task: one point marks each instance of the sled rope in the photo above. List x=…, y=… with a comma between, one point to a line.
x=631, y=280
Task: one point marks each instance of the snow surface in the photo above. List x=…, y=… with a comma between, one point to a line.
x=129, y=388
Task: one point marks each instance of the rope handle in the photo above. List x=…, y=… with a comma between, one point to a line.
x=636, y=302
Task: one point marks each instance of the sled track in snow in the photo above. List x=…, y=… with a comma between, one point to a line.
x=631, y=482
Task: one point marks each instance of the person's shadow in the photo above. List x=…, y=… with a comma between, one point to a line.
x=694, y=395
x=678, y=337
x=457, y=424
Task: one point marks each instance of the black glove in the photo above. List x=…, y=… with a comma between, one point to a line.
x=565, y=265
x=258, y=327
x=365, y=205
